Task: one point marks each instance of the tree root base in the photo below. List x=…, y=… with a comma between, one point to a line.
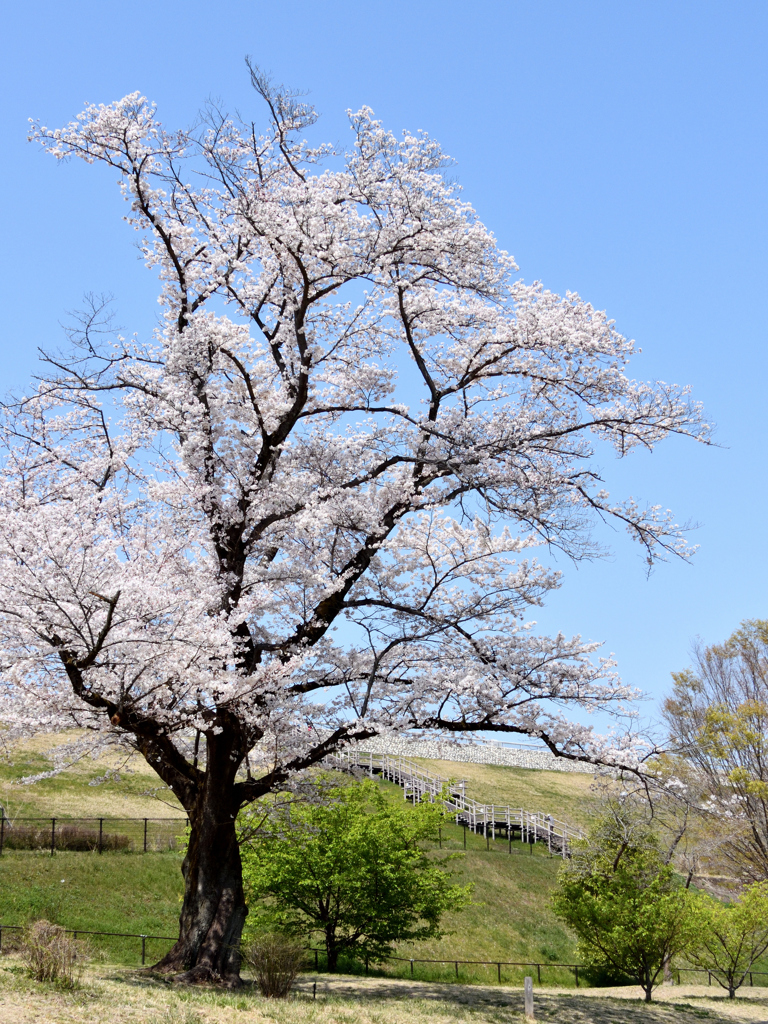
x=198, y=975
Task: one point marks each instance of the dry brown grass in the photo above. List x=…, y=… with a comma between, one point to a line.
x=566, y=795
x=125, y=997
x=70, y=794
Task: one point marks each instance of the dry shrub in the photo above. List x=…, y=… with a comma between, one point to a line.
x=11, y=942
x=66, y=837
x=49, y=954
x=275, y=960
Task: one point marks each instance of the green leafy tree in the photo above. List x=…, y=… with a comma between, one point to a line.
x=352, y=868
x=731, y=937
x=718, y=721
x=627, y=906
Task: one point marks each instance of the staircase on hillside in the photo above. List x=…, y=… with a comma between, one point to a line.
x=494, y=821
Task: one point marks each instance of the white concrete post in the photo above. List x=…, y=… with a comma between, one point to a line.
x=529, y=998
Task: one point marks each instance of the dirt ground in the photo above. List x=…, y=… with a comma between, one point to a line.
x=121, y=996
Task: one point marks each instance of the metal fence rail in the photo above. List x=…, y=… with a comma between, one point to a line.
x=492, y=820
x=91, y=834
x=445, y=961
x=498, y=964
x=85, y=931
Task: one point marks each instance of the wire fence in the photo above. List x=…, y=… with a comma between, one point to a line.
x=132, y=835
x=450, y=965
x=453, y=965
x=315, y=955
x=80, y=932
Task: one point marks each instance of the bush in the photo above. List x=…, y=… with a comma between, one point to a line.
x=49, y=954
x=275, y=960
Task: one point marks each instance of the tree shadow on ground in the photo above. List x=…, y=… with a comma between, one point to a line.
x=496, y=1005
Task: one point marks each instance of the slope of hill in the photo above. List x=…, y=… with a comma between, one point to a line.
x=564, y=795
x=112, y=785
x=509, y=920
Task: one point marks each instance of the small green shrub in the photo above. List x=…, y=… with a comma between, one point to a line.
x=275, y=960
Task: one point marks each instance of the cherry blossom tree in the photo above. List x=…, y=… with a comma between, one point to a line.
x=300, y=514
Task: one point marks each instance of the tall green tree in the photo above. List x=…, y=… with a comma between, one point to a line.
x=629, y=910
x=731, y=937
x=352, y=869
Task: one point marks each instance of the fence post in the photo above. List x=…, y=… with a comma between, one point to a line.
x=316, y=967
x=143, y=949
x=2, y=831
x=411, y=968
x=498, y=968
x=457, y=969
x=528, y=996
x=576, y=972
x=101, y=833
x=538, y=972
x=750, y=979
x=145, y=835
x=53, y=835
x=709, y=977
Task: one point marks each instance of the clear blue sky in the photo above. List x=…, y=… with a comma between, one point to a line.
x=616, y=148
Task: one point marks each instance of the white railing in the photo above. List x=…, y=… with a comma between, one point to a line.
x=418, y=783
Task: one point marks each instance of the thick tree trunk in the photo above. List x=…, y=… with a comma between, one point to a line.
x=213, y=911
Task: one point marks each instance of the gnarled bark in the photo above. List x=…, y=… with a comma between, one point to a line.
x=213, y=911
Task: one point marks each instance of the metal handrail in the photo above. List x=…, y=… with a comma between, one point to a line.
x=421, y=783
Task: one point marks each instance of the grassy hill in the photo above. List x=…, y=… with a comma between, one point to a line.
x=139, y=792
x=565, y=795
x=509, y=920
x=78, y=792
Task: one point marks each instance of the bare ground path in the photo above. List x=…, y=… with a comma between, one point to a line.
x=121, y=996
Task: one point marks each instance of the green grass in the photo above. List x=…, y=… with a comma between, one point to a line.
x=509, y=920
x=114, y=892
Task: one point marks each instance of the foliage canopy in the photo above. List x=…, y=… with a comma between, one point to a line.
x=718, y=719
x=300, y=513
x=730, y=938
x=628, y=908
x=352, y=869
